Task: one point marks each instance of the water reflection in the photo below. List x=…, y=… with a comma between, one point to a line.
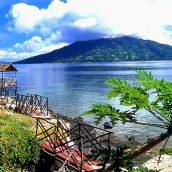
x=72, y=88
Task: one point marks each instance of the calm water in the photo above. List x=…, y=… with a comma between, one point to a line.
x=72, y=88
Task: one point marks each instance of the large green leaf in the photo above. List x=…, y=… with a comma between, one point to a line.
x=150, y=94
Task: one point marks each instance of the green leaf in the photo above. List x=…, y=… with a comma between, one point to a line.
x=100, y=111
x=149, y=94
x=167, y=151
x=143, y=169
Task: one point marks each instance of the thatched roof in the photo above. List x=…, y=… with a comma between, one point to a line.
x=7, y=68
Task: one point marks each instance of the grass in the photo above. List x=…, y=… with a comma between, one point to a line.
x=18, y=146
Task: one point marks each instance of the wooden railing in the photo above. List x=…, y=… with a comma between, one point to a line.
x=32, y=104
x=8, y=82
x=68, y=140
x=71, y=142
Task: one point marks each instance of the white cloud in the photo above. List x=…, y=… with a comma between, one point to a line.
x=2, y=52
x=145, y=18
x=9, y=55
x=85, y=23
x=38, y=46
x=12, y=55
x=61, y=23
x=35, y=43
x=27, y=18
x=32, y=47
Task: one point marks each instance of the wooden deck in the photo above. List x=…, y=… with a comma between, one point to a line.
x=70, y=143
x=65, y=139
x=73, y=156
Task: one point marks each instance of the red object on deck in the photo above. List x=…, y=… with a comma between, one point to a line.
x=73, y=156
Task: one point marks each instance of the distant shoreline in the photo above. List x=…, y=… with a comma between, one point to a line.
x=95, y=62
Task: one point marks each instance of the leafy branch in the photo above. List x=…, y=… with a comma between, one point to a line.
x=150, y=94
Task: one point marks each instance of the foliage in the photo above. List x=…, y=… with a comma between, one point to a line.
x=143, y=169
x=150, y=94
x=119, y=156
x=18, y=145
x=106, y=50
x=167, y=151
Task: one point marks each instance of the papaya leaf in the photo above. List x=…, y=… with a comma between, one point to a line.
x=100, y=111
x=150, y=94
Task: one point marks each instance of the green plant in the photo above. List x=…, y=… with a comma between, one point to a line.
x=167, y=151
x=153, y=96
x=137, y=98
x=18, y=145
x=143, y=169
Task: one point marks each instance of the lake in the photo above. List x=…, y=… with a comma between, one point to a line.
x=72, y=88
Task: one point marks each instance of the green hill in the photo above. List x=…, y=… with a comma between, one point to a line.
x=106, y=50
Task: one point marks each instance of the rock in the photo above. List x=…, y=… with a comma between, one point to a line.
x=165, y=163
x=131, y=139
x=107, y=126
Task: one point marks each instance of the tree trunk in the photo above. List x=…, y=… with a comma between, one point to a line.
x=152, y=143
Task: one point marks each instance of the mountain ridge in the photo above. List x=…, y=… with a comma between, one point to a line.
x=106, y=50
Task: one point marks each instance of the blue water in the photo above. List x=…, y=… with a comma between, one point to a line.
x=72, y=88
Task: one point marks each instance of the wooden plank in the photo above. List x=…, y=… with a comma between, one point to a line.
x=77, y=154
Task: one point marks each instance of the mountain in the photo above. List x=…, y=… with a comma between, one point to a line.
x=106, y=50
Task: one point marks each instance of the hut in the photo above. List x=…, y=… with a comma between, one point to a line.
x=8, y=81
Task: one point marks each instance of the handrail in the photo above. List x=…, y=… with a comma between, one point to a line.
x=60, y=143
x=32, y=103
x=58, y=137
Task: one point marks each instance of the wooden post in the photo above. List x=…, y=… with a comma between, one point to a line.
x=47, y=106
x=37, y=126
x=15, y=83
x=81, y=145
x=2, y=79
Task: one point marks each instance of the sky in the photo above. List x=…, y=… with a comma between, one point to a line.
x=32, y=27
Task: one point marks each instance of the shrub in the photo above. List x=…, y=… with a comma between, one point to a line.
x=18, y=145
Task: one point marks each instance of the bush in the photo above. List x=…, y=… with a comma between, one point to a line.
x=18, y=145
x=143, y=169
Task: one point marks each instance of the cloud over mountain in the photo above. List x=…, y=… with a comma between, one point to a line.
x=63, y=23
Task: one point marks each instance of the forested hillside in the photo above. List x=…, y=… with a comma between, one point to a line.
x=106, y=50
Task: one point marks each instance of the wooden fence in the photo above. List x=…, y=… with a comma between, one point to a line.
x=72, y=142
x=32, y=104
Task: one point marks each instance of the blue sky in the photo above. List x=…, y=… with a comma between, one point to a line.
x=32, y=27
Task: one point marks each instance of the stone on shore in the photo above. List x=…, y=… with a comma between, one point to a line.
x=165, y=163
